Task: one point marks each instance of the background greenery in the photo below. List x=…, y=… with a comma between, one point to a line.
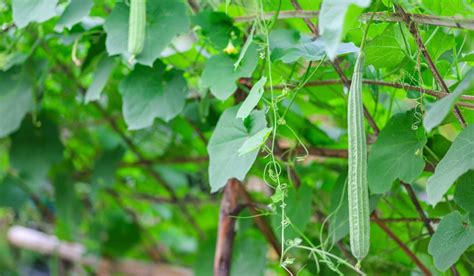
x=115, y=156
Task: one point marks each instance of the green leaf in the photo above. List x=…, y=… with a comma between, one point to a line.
x=252, y=99
x=230, y=134
x=16, y=99
x=458, y=160
x=26, y=11
x=67, y=202
x=219, y=74
x=11, y=194
x=101, y=76
x=203, y=264
x=106, y=166
x=448, y=7
x=255, y=142
x=298, y=209
x=73, y=14
x=8, y=60
x=216, y=26
x=331, y=21
x=246, y=46
x=162, y=26
x=306, y=48
x=384, y=51
x=149, y=93
x=122, y=234
x=34, y=150
x=439, y=43
x=249, y=254
x=464, y=194
x=441, y=108
x=397, y=154
x=450, y=240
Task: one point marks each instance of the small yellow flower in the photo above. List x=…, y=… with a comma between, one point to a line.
x=230, y=49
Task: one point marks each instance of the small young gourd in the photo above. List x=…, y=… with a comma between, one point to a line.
x=137, y=26
x=358, y=194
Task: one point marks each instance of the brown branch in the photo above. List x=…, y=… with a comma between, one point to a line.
x=407, y=19
x=31, y=239
x=401, y=244
x=406, y=87
x=443, y=21
x=408, y=220
x=339, y=70
x=226, y=231
x=315, y=151
x=174, y=160
x=336, y=153
x=194, y=5
x=416, y=203
x=167, y=200
x=309, y=23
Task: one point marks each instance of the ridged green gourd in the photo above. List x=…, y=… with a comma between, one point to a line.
x=137, y=27
x=358, y=191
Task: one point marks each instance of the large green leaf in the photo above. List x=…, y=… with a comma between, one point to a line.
x=26, y=11
x=384, y=51
x=441, y=108
x=219, y=74
x=332, y=18
x=230, y=134
x=451, y=239
x=162, y=26
x=35, y=149
x=216, y=26
x=73, y=14
x=16, y=99
x=101, y=76
x=439, y=43
x=397, y=154
x=302, y=46
x=458, y=160
x=464, y=194
x=149, y=93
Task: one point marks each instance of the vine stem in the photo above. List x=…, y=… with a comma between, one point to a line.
x=407, y=19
